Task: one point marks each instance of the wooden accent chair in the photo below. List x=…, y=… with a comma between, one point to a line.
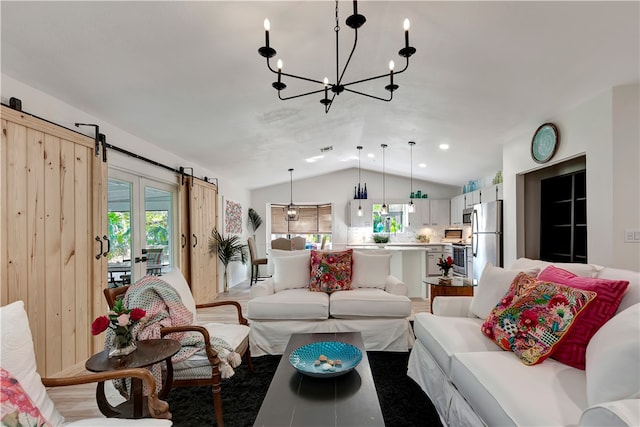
x=197, y=371
x=298, y=243
x=19, y=361
x=255, y=261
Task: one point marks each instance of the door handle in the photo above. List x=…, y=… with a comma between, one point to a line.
x=196, y=240
x=99, y=240
x=184, y=241
x=140, y=259
x=104, y=254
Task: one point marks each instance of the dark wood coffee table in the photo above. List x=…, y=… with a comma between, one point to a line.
x=149, y=352
x=294, y=399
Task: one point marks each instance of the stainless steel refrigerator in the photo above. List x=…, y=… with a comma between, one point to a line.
x=486, y=236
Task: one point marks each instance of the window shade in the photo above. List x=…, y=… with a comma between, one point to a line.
x=313, y=219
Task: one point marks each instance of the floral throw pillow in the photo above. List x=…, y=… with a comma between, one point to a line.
x=330, y=271
x=534, y=316
x=17, y=409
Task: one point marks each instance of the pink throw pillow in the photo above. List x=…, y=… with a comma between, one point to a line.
x=17, y=408
x=534, y=317
x=571, y=351
x=330, y=271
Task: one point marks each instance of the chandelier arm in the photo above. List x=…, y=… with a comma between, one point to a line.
x=300, y=95
x=327, y=107
x=378, y=77
x=353, y=49
x=370, y=96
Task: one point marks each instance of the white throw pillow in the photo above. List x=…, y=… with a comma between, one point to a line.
x=275, y=253
x=19, y=358
x=179, y=283
x=494, y=283
x=370, y=270
x=612, y=368
x=292, y=272
x=582, y=270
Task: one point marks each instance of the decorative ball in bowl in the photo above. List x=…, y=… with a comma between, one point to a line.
x=325, y=359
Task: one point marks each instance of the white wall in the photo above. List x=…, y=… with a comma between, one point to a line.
x=337, y=188
x=605, y=130
x=47, y=107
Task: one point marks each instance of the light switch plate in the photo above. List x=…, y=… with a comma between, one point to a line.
x=631, y=236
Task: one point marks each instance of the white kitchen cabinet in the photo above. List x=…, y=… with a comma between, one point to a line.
x=433, y=255
x=491, y=193
x=421, y=217
x=471, y=198
x=439, y=212
x=457, y=205
x=360, y=221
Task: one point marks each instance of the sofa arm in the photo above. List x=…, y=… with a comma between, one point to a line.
x=395, y=286
x=451, y=306
x=262, y=289
x=617, y=413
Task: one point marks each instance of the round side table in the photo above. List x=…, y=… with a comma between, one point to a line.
x=149, y=352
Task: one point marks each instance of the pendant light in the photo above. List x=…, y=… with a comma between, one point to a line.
x=384, y=210
x=360, y=212
x=293, y=213
x=412, y=207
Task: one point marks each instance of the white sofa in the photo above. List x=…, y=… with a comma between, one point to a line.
x=472, y=381
x=376, y=305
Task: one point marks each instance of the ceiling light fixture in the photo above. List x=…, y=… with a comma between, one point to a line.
x=293, y=213
x=361, y=194
x=412, y=207
x=354, y=21
x=383, y=210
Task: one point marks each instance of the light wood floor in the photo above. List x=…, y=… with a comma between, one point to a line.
x=78, y=402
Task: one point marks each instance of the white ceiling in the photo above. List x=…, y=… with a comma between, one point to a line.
x=187, y=77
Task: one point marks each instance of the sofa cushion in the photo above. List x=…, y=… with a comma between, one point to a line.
x=291, y=272
x=19, y=359
x=534, y=316
x=277, y=253
x=632, y=296
x=16, y=406
x=573, y=347
x=370, y=270
x=612, y=370
x=290, y=304
x=445, y=336
x=505, y=392
x=330, y=271
x=493, y=285
x=368, y=303
x=619, y=413
x=584, y=270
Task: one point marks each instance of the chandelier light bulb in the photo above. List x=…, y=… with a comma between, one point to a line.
x=406, y=25
x=326, y=82
x=267, y=24
x=392, y=65
x=279, y=64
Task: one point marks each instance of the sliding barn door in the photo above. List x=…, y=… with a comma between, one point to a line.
x=52, y=223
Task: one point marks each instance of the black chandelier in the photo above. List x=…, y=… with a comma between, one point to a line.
x=354, y=21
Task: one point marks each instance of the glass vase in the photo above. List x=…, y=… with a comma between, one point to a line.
x=123, y=344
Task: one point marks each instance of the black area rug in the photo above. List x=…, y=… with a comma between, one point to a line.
x=402, y=401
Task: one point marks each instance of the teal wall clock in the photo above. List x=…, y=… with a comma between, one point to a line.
x=544, y=143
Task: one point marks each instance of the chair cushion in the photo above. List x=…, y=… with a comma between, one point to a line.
x=573, y=347
x=330, y=271
x=612, y=369
x=494, y=283
x=534, y=316
x=233, y=334
x=368, y=303
x=369, y=270
x=290, y=304
x=445, y=336
x=19, y=359
x=291, y=272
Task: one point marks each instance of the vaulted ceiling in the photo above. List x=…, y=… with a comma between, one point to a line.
x=187, y=77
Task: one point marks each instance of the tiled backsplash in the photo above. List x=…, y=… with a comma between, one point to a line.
x=358, y=235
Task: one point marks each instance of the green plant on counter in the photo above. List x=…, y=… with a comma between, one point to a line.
x=379, y=238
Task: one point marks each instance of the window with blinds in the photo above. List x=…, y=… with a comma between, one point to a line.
x=313, y=219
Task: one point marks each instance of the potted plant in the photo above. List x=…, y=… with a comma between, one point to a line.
x=229, y=249
x=255, y=221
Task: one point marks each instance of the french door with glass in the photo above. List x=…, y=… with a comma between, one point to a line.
x=141, y=224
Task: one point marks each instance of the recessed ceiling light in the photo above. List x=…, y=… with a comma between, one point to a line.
x=371, y=155
x=423, y=165
x=444, y=146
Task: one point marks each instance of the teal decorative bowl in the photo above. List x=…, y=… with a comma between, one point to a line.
x=305, y=359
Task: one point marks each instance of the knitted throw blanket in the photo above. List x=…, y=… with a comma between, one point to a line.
x=164, y=308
